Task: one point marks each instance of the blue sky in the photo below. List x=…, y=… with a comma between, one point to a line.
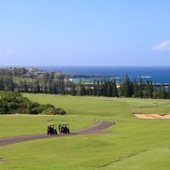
x=84, y=33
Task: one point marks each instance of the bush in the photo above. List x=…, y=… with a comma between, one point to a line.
x=9, y=94
x=49, y=111
x=14, y=102
x=3, y=107
x=60, y=111
x=53, y=111
x=32, y=107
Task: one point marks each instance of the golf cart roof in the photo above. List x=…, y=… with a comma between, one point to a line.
x=64, y=123
x=51, y=124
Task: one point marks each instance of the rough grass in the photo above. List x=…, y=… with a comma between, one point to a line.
x=134, y=144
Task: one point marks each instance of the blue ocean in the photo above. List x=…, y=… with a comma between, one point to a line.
x=154, y=74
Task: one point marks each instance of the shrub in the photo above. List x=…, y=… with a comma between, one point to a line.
x=14, y=102
x=60, y=111
x=49, y=111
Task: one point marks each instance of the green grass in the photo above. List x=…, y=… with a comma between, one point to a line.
x=103, y=106
x=14, y=125
x=133, y=144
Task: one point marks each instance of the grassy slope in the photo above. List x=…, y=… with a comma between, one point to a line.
x=102, y=105
x=134, y=143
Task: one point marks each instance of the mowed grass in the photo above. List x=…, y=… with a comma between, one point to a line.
x=132, y=143
x=14, y=125
x=103, y=106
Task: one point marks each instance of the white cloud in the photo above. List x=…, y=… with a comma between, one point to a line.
x=162, y=46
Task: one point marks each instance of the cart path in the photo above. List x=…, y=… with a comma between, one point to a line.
x=96, y=128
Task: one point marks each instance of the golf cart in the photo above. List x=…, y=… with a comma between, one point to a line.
x=64, y=128
x=51, y=129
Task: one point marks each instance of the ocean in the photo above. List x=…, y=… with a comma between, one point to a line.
x=154, y=74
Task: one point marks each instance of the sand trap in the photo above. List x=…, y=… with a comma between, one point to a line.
x=152, y=116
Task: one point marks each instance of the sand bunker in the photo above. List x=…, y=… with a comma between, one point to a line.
x=152, y=116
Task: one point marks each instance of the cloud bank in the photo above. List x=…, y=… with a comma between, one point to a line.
x=162, y=46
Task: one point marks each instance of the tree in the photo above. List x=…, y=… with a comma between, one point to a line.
x=94, y=88
x=20, y=86
x=151, y=90
x=11, y=84
x=154, y=90
x=104, y=88
x=44, y=86
x=135, y=88
x=168, y=93
x=98, y=88
x=109, y=88
x=36, y=86
x=60, y=83
x=62, y=86
x=140, y=88
x=114, y=89
x=89, y=90
x=25, y=86
x=162, y=93
x=50, y=86
x=8, y=83
x=146, y=89
x=81, y=91
x=1, y=84
x=73, y=89
x=127, y=87
x=53, y=87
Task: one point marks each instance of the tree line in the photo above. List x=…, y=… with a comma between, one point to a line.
x=50, y=84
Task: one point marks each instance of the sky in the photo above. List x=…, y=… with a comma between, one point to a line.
x=84, y=33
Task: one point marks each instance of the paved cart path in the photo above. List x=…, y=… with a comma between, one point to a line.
x=96, y=128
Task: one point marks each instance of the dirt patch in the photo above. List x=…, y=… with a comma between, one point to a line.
x=97, y=128
x=3, y=160
x=152, y=116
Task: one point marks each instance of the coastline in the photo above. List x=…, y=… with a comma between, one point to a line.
x=156, y=74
